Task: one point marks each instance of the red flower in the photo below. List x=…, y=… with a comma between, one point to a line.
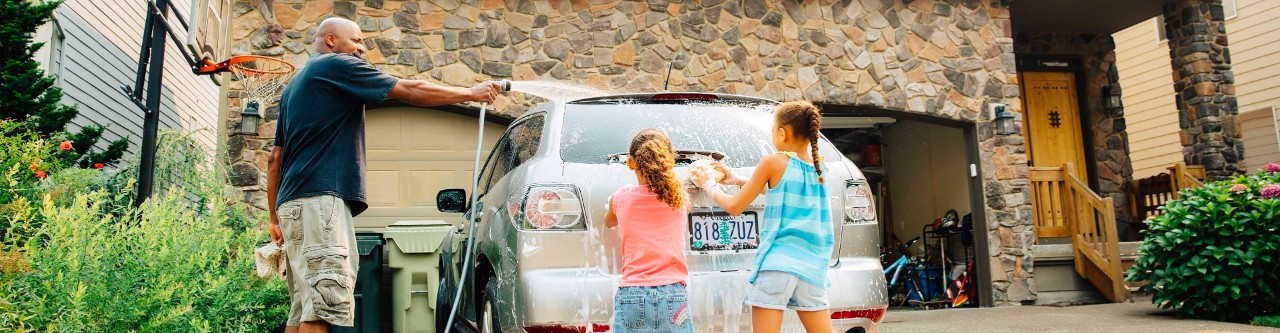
x=1272, y=167
x=97, y=165
x=40, y=174
x=65, y=145
x=34, y=166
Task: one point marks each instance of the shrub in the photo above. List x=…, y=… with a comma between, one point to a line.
x=1273, y=321
x=182, y=262
x=1215, y=252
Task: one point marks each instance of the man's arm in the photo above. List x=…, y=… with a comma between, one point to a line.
x=423, y=93
x=273, y=185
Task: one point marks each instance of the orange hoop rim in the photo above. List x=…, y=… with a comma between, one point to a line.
x=233, y=64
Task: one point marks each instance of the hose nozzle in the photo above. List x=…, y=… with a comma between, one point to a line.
x=506, y=84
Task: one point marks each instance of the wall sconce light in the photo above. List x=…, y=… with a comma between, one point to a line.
x=1003, y=120
x=1111, y=97
x=250, y=118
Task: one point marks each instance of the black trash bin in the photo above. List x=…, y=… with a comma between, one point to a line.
x=368, y=285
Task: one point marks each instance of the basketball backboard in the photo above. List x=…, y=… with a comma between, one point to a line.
x=210, y=23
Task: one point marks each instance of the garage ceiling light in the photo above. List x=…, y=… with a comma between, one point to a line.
x=855, y=122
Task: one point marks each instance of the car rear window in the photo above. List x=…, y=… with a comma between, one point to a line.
x=592, y=132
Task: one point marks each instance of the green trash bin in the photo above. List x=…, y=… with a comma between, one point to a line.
x=369, y=298
x=413, y=257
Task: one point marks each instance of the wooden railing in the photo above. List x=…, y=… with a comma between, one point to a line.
x=1065, y=207
x=1185, y=176
x=1047, y=185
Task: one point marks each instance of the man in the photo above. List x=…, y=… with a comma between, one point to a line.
x=315, y=181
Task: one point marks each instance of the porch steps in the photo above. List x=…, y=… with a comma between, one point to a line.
x=1057, y=282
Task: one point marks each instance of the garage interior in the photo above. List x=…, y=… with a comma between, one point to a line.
x=918, y=170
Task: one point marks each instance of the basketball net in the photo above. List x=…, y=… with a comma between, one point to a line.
x=261, y=77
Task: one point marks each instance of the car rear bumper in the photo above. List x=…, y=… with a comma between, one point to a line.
x=583, y=297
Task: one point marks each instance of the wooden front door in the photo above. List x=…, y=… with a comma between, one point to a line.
x=1053, y=127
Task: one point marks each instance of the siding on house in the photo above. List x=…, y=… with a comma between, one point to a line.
x=1147, y=81
x=1259, y=130
x=100, y=45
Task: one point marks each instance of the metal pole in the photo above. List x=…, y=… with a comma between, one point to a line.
x=146, y=168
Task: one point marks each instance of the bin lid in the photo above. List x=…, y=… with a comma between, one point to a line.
x=418, y=236
x=367, y=241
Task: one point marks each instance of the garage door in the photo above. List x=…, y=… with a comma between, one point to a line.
x=412, y=153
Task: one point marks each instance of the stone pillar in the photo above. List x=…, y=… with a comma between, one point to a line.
x=1204, y=86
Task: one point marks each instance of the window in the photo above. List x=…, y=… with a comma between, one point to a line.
x=526, y=137
x=1229, y=9
x=1161, y=37
x=496, y=164
x=517, y=146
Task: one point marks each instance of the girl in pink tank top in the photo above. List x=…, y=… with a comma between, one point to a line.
x=651, y=218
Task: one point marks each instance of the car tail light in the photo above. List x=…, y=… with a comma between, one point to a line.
x=547, y=207
x=567, y=329
x=859, y=207
x=875, y=315
x=684, y=97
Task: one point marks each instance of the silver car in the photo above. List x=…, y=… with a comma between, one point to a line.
x=544, y=262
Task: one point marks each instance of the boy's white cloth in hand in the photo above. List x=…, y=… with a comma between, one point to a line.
x=269, y=260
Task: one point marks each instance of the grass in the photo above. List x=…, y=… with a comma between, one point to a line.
x=1269, y=321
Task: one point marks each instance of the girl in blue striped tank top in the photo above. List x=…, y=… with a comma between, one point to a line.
x=795, y=234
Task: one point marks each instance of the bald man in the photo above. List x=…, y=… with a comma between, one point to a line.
x=315, y=181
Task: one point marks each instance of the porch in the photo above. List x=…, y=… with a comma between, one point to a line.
x=1087, y=209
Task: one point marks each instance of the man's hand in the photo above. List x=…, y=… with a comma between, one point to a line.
x=274, y=229
x=485, y=92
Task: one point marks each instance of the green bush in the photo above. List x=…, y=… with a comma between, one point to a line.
x=1215, y=252
x=83, y=259
x=1273, y=321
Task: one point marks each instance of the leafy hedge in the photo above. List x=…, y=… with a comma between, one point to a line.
x=77, y=257
x=1215, y=252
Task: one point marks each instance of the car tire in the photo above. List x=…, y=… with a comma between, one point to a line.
x=489, y=308
x=442, y=307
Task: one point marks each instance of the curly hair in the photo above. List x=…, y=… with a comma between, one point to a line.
x=805, y=120
x=655, y=160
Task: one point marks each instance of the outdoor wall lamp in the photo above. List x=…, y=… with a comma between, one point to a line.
x=1003, y=120
x=1111, y=99
x=250, y=118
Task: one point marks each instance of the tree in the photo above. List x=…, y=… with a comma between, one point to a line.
x=29, y=97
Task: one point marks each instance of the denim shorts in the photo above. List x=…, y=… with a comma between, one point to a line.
x=781, y=291
x=652, y=309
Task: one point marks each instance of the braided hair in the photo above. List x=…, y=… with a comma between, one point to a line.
x=655, y=160
x=805, y=120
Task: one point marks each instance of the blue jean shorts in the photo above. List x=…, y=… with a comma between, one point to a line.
x=652, y=309
x=781, y=291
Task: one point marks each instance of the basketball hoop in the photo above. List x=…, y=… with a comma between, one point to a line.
x=261, y=78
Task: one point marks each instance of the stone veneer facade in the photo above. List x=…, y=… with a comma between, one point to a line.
x=1110, y=152
x=1204, y=86
x=948, y=59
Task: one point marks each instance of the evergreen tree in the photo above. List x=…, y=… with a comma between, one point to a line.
x=29, y=97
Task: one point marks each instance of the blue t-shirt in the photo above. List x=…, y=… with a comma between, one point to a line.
x=321, y=128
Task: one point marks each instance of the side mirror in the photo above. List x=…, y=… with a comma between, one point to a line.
x=452, y=200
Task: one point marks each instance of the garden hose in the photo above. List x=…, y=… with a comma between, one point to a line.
x=475, y=197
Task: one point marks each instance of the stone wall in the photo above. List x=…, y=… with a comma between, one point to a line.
x=947, y=59
x=1204, y=86
x=1106, y=128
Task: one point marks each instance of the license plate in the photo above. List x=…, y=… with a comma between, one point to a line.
x=721, y=231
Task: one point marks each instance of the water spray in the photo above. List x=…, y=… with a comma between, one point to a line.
x=475, y=197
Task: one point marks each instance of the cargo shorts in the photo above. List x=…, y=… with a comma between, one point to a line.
x=320, y=246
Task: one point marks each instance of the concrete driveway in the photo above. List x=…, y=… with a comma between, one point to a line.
x=1136, y=317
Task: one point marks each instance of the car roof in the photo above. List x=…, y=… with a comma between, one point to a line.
x=650, y=96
